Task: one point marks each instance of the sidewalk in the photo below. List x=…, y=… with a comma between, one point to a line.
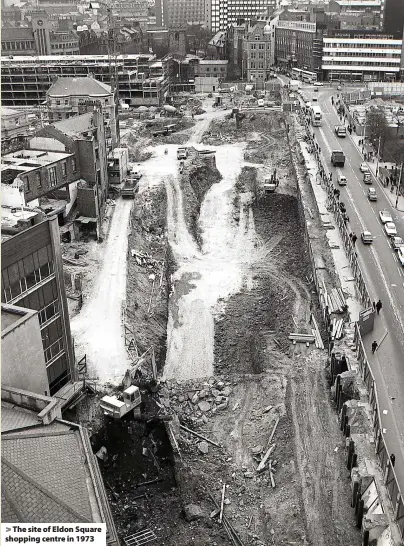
x=372, y=164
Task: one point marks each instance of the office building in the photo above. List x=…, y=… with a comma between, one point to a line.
x=32, y=279
x=357, y=14
x=179, y=13
x=219, y=14
x=298, y=44
x=25, y=80
x=393, y=16
x=359, y=56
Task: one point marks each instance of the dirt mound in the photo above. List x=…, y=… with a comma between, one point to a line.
x=199, y=175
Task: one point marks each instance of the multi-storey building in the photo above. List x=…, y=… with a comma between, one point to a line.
x=258, y=49
x=362, y=13
x=32, y=278
x=42, y=37
x=68, y=97
x=13, y=123
x=298, y=44
x=177, y=13
x=219, y=14
x=362, y=56
x=393, y=16
x=25, y=80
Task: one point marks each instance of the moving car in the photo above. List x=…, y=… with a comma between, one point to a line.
x=340, y=131
x=339, y=87
x=318, y=84
x=367, y=238
x=397, y=242
x=390, y=229
x=385, y=216
x=341, y=179
x=400, y=255
x=364, y=168
x=182, y=152
x=314, y=99
x=316, y=89
x=372, y=195
x=367, y=178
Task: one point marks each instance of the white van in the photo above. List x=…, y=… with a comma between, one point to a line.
x=341, y=179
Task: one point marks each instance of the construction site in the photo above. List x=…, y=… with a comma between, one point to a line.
x=203, y=296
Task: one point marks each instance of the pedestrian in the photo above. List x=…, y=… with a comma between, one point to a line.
x=387, y=181
x=354, y=239
x=392, y=459
x=374, y=306
x=374, y=347
x=378, y=306
x=330, y=177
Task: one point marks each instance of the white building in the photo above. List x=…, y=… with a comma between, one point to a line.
x=221, y=13
x=361, y=56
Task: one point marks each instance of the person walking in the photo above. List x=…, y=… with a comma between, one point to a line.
x=354, y=239
x=374, y=347
x=378, y=306
x=374, y=306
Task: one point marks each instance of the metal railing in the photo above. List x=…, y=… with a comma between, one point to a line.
x=390, y=478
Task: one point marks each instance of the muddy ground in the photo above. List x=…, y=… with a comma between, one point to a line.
x=260, y=380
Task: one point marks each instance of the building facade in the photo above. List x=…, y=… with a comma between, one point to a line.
x=14, y=124
x=298, y=44
x=26, y=80
x=179, y=13
x=68, y=97
x=221, y=13
x=362, y=56
x=32, y=278
x=258, y=46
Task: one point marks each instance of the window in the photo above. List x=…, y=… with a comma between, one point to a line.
x=64, y=168
x=58, y=103
x=66, y=101
x=27, y=184
x=38, y=179
x=52, y=176
x=74, y=165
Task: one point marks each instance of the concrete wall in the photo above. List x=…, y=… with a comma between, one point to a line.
x=48, y=408
x=86, y=202
x=22, y=357
x=206, y=85
x=44, y=143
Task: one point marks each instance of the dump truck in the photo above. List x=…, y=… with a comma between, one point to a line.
x=337, y=158
x=117, y=408
x=130, y=188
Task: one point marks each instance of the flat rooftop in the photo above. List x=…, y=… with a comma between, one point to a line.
x=10, y=216
x=25, y=161
x=10, y=316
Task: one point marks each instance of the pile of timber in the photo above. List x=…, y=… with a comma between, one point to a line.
x=316, y=333
x=301, y=338
x=337, y=327
x=336, y=301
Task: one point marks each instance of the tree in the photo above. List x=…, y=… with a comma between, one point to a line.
x=377, y=127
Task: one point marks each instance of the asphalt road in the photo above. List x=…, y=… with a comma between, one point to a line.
x=383, y=274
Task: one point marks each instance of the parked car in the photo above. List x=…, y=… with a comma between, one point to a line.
x=372, y=195
x=400, y=255
x=318, y=84
x=367, y=237
x=397, y=242
x=385, y=216
x=367, y=178
x=364, y=168
x=390, y=229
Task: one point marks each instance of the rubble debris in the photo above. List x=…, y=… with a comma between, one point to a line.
x=222, y=503
x=203, y=447
x=193, y=512
x=199, y=435
x=261, y=466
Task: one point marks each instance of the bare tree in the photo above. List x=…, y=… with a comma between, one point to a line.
x=377, y=127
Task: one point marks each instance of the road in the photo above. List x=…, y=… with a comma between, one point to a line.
x=383, y=273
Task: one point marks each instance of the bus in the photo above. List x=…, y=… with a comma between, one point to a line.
x=304, y=75
x=316, y=116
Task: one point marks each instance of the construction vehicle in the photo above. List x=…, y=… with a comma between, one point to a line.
x=171, y=110
x=337, y=158
x=270, y=184
x=182, y=152
x=118, y=408
x=130, y=188
x=340, y=131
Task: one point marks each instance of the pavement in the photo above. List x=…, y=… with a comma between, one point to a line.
x=383, y=274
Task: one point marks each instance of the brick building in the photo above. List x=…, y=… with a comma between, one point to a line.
x=32, y=279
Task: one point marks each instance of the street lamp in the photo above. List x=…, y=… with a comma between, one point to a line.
x=378, y=152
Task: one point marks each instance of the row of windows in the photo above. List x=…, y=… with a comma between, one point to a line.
x=53, y=350
x=17, y=46
x=369, y=45
x=261, y=55
x=260, y=46
x=65, y=46
x=361, y=54
x=253, y=65
x=355, y=63
x=22, y=285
